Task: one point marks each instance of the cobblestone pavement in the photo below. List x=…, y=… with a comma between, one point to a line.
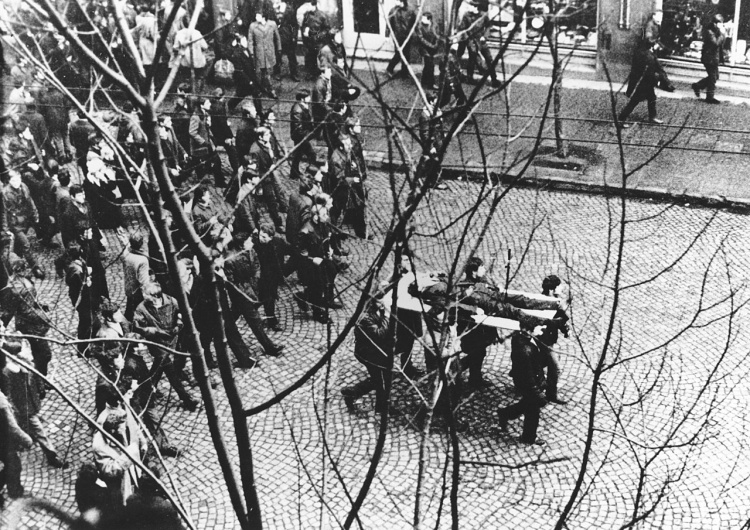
x=691, y=256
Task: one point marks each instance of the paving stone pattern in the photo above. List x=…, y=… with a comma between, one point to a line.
x=691, y=256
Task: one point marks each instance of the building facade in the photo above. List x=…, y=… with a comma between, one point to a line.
x=600, y=32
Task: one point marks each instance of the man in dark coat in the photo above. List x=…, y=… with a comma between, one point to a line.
x=22, y=216
x=372, y=348
x=315, y=28
x=205, y=159
x=450, y=79
x=125, y=370
x=13, y=440
x=475, y=338
x=401, y=18
x=288, y=29
x=272, y=250
x=300, y=127
x=201, y=296
x=242, y=271
x=19, y=299
x=77, y=225
x=427, y=44
x=315, y=264
x=652, y=34
x=528, y=376
x=245, y=80
x=347, y=188
x=157, y=319
x=642, y=84
x=714, y=36
x=475, y=25
x=25, y=392
x=181, y=118
x=322, y=96
x=247, y=215
x=300, y=203
x=221, y=132
x=272, y=194
x=54, y=107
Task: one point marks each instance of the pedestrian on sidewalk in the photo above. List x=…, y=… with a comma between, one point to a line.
x=473, y=30
x=652, y=35
x=401, y=19
x=642, y=82
x=427, y=44
x=714, y=36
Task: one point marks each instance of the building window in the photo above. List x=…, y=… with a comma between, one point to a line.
x=576, y=21
x=366, y=16
x=682, y=28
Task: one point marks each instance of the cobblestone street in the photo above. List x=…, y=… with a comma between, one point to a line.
x=674, y=408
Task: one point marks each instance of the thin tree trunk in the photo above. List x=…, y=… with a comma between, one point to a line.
x=166, y=189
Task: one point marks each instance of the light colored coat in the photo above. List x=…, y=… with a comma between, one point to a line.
x=188, y=48
x=134, y=271
x=113, y=466
x=264, y=43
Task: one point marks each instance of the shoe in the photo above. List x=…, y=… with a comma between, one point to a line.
x=441, y=186
x=299, y=297
x=713, y=101
x=624, y=125
x=54, y=461
x=537, y=441
x=322, y=318
x=16, y=493
x=496, y=83
x=273, y=325
x=557, y=400
x=38, y=273
x=656, y=121
x=669, y=88
x=696, y=90
x=478, y=383
x=274, y=351
x=190, y=405
x=334, y=304
x=246, y=365
x=502, y=420
x=349, y=401
x=169, y=451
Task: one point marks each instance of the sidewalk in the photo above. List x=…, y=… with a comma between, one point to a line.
x=704, y=156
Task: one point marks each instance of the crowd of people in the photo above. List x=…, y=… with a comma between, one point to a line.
x=67, y=184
